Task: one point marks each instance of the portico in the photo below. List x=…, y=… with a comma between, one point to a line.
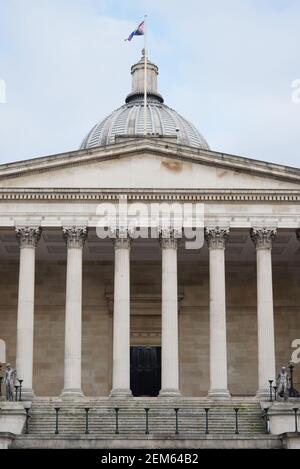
x=174, y=288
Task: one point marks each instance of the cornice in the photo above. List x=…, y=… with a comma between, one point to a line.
x=157, y=147
x=151, y=195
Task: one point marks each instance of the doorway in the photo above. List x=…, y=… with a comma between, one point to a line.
x=145, y=371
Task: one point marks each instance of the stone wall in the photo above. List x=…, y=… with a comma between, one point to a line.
x=146, y=322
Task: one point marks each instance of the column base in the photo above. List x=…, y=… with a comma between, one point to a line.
x=219, y=394
x=72, y=393
x=120, y=393
x=169, y=393
x=263, y=394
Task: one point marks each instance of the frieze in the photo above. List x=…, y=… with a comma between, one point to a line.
x=201, y=196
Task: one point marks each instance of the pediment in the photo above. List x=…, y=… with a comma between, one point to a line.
x=147, y=165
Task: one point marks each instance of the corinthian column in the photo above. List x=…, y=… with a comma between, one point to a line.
x=169, y=315
x=121, y=317
x=75, y=237
x=216, y=239
x=28, y=238
x=263, y=240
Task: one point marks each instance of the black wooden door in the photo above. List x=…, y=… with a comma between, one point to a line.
x=145, y=371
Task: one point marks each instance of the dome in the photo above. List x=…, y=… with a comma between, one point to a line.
x=129, y=119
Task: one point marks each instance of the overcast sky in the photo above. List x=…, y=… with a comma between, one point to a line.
x=228, y=66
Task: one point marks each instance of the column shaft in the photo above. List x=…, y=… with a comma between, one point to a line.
x=121, y=319
x=28, y=238
x=263, y=238
x=75, y=238
x=169, y=332
x=24, y=360
x=265, y=320
x=216, y=238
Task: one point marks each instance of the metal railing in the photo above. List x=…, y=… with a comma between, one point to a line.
x=205, y=420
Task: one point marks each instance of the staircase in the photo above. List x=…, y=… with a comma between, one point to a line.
x=132, y=420
x=132, y=424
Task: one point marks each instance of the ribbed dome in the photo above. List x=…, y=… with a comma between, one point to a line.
x=129, y=118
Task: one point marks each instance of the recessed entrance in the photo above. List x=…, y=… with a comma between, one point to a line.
x=145, y=371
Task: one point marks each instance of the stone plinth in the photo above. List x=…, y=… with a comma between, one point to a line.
x=282, y=417
x=12, y=417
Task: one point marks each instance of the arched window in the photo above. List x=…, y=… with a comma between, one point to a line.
x=2, y=351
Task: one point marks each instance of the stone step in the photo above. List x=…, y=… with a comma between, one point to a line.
x=132, y=420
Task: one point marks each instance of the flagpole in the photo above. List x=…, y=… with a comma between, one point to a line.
x=145, y=75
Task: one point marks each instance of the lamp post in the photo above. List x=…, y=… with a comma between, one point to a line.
x=271, y=389
x=16, y=394
x=147, y=421
x=206, y=421
x=292, y=391
x=27, y=409
x=236, y=421
x=57, y=409
x=267, y=420
x=117, y=420
x=87, y=420
x=20, y=388
x=176, y=420
x=295, y=409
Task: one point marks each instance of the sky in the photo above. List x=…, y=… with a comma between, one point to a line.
x=227, y=66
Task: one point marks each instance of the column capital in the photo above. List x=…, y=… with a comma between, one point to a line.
x=263, y=237
x=28, y=236
x=121, y=238
x=75, y=236
x=168, y=237
x=216, y=237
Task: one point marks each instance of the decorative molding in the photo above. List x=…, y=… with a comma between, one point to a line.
x=147, y=146
x=75, y=236
x=120, y=237
x=168, y=243
x=263, y=237
x=216, y=237
x=28, y=236
x=199, y=195
x=169, y=237
x=122, y=243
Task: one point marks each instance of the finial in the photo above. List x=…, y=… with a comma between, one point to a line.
x=143, y=52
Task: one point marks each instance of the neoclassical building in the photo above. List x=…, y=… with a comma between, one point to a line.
x=119, y=315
